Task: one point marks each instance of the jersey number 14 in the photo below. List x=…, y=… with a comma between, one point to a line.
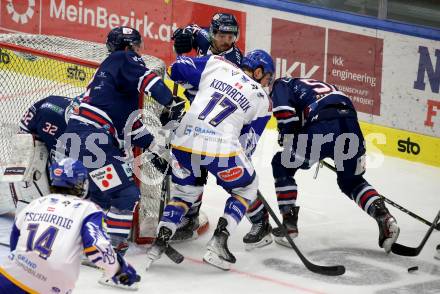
x=43, y=244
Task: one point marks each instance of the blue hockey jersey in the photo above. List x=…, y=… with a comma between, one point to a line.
x=47, y=119
x=116, y=91
x=297, y=102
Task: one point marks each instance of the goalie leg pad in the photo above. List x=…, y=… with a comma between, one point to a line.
x=29, y=160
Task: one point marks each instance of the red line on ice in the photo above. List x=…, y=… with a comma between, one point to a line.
x=262, y=278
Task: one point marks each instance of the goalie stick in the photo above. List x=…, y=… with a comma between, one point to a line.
x=414, y=251
x=335, y=270
x=392, y=203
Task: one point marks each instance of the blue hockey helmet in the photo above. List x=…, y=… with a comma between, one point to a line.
x=121, y=37
x=70, y=173
x=224, y=23
x=258, y=58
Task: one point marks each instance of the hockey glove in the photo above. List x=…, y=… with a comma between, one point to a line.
x=127, y=274
x=183, y=41
x=160, y=164
x=173, y=112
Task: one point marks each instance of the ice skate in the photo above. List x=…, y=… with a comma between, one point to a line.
x=388, y=228
x=217, y=253
x=258, y=236
x=290, y=221
x=187, y=230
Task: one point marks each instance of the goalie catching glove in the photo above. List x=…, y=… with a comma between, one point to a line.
x=183, y=41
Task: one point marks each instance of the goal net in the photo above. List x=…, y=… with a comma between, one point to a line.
x=35, y=66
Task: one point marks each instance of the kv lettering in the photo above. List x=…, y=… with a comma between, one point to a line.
x=4, y=57
x=408, y=146
x=282, y=69
x=76, y=73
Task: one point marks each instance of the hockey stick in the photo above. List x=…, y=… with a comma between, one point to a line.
x=4, y=244
x=389, y=201
x=335, y=270
x=414, y=251
x=172, y=253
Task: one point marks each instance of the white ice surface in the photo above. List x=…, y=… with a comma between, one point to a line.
x=333, y=230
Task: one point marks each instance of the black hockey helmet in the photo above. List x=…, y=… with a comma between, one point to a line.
x=121, y=37
x=224, y=23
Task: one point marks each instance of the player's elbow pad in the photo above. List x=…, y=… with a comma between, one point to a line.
x=160, y=92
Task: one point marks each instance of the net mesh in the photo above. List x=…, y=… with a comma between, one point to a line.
x=35, y=66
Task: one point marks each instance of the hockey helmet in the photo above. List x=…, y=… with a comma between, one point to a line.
x=224, y=23
x=258, y=58
x=121, y=37
x=70, y=173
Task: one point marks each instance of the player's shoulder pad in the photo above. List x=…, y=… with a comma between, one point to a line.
x=221, y=58
x=124, y=56
x=204, y=32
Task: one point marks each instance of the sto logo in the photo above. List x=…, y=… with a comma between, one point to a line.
x=231, y=174
x=21, y=18
x=105, y=177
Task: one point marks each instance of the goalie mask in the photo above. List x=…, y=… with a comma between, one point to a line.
x=122, y=37
x=70, y=174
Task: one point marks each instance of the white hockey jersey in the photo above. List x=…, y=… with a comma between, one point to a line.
x=47, y=241
x=229, y=112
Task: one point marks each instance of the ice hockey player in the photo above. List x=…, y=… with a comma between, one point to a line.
x=218, y=39
x=45, y=120
x=50, y=234
x=218, y=134
x=105, y=131
x=314, y=122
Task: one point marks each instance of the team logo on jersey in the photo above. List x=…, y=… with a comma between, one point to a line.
x=76, y=205
x=244, y=79
x=105, y=177
x=21, y=18
x=231, y=174
x=58, y=172
x=66, y=203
